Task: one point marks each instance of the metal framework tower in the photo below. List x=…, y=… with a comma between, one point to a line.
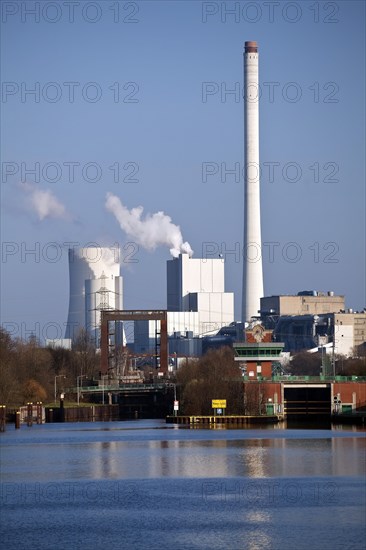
x=103, y=293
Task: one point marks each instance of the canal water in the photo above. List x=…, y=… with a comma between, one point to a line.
x=147, y=485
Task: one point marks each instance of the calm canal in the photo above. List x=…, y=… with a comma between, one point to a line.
x=148, y=485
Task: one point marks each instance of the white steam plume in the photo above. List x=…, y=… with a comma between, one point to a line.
x=101, y=259
x=44, y=203
x=150, y=232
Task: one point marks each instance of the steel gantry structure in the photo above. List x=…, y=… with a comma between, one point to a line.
x=108, y=316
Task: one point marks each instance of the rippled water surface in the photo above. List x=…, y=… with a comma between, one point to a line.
x=145, y=484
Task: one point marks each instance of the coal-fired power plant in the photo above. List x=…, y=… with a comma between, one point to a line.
x=252, y=250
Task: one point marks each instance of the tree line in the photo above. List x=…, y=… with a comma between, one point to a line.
x=28, y=370
x=314, y=364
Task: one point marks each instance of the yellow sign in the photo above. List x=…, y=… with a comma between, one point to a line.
x=219, y=403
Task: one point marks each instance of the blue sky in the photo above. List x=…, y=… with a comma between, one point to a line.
x=147, y=88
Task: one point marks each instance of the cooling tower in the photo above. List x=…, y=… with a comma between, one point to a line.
x=95, y=284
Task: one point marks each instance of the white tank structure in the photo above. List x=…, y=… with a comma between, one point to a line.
x=95, y=284
x=252, y=250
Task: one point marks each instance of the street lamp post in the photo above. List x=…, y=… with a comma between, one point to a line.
x=57, y=376
x=175, y=400
x=79, y=384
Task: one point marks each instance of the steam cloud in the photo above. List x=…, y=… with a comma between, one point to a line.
x=44, y=203
x=156, y=229
x=100, y=259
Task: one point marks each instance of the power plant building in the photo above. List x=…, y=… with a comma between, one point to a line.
x=196, y=284
x=197, y=306
x=312, y=319
x=306, y=302
x=340, y=333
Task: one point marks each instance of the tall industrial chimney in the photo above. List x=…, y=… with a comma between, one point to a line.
x=252, y=250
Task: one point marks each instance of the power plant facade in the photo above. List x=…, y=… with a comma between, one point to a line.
x=95, y=285
x=195, y=284
x=197, y=305
x=252, y=250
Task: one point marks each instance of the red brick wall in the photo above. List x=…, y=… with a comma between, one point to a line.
x=267, y=337
x=266, y=369
x=346, y=389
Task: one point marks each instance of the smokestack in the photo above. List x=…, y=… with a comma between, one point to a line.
x=252, y=251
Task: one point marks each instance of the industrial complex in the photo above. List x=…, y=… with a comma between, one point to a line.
x=199, y=313
x=199, y=309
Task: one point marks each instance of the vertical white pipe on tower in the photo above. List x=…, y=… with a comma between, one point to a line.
x=252, y=250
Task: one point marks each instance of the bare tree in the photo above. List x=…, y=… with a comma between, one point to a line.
x=33, y=391
x=214, y=376
x=87, y=362
x=253, y=399
x=20, y=363
x=305, y=363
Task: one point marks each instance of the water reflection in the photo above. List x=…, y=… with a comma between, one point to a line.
x=258, y=532
x=189, y=454
x=154, y=487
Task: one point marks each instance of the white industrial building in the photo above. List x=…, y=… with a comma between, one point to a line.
x=196, y=284
x=197, y=305
x=95, y=285
x=349, y=331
